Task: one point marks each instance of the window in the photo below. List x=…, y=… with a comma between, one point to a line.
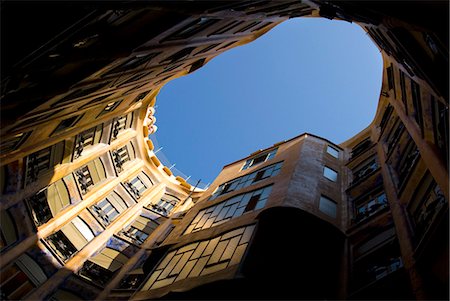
x=247, y=180
x=179, y=55
x=361, y=147
x=403, y=90
x=79, y=93
x=386, y=117
x=67, y=123
x=41, y=161
x=440, y=127
x=136, y=187
x=119, y=124
x=229, y=209
x=61, y=245
x=133, y=63
x=10, y=144
x=368, y=205
x=226, y=45
x=327, y=206
x=164, y=206
x=108, y=209
x=100, y=268
x=259, y=159
x=364, y=170
x=417, y=103
x=200, y=258
x=247, y=27
x=47, y=203
x=19, y=279
x=333, y=151
x=139, y=230
x=86, y=139
x=141, y=96
x=120, y=157
x=226, y=28
x=394, y=135
x=330, y=174
x=390, y=76
x=407, y=162
x=70, y=239
x=207, y=48
x=191, y=29
x=90, y=175
x=427, y=202
x=8, y=231
x=110, y=107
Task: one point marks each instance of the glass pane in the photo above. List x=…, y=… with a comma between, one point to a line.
x=330, y=174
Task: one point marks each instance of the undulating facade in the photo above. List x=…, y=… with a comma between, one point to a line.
x=89, y=212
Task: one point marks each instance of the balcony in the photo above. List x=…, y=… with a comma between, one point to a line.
x=370, y=208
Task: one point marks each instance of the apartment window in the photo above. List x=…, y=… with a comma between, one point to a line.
x=426, y=205
x=10, y=144
x=207, y=48
x=136, y=187
x=247, y=180
x=390, y=76
x=8, y=231
x=330, y=174
x=417, y=103
x=259, y=159
x=403, y=90
x=381, y=258
x=191, y=29
x=179, y=55
x=119, y=124
x=368, y=205
x=80, y=93
x=365, y=170
x=42, y=161
x=86, y=139
x=100, y=268
x=110, y=107
x=440, y=127
x=22, y=277
x=247, y=27
x=226, y=45
x=89, y=175
x=164, y=206
x=386, y=117
x=95, y=101
x=231, y=208
x=61, y=245
x=227, y=27
x=48, y=202
x=140, y=229
x=67, y=123
x=141, y=96
x=133, y=63
x=394, y=136
x=120, y=157
x=70, y=239
x=333, y=151
x=95, y=273
x=407, y=162
x=108, y=209
x=200, y=258
x=361, y=147
x=327, y=206
x=134, y=78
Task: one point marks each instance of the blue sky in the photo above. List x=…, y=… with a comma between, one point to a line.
x=305, y=75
